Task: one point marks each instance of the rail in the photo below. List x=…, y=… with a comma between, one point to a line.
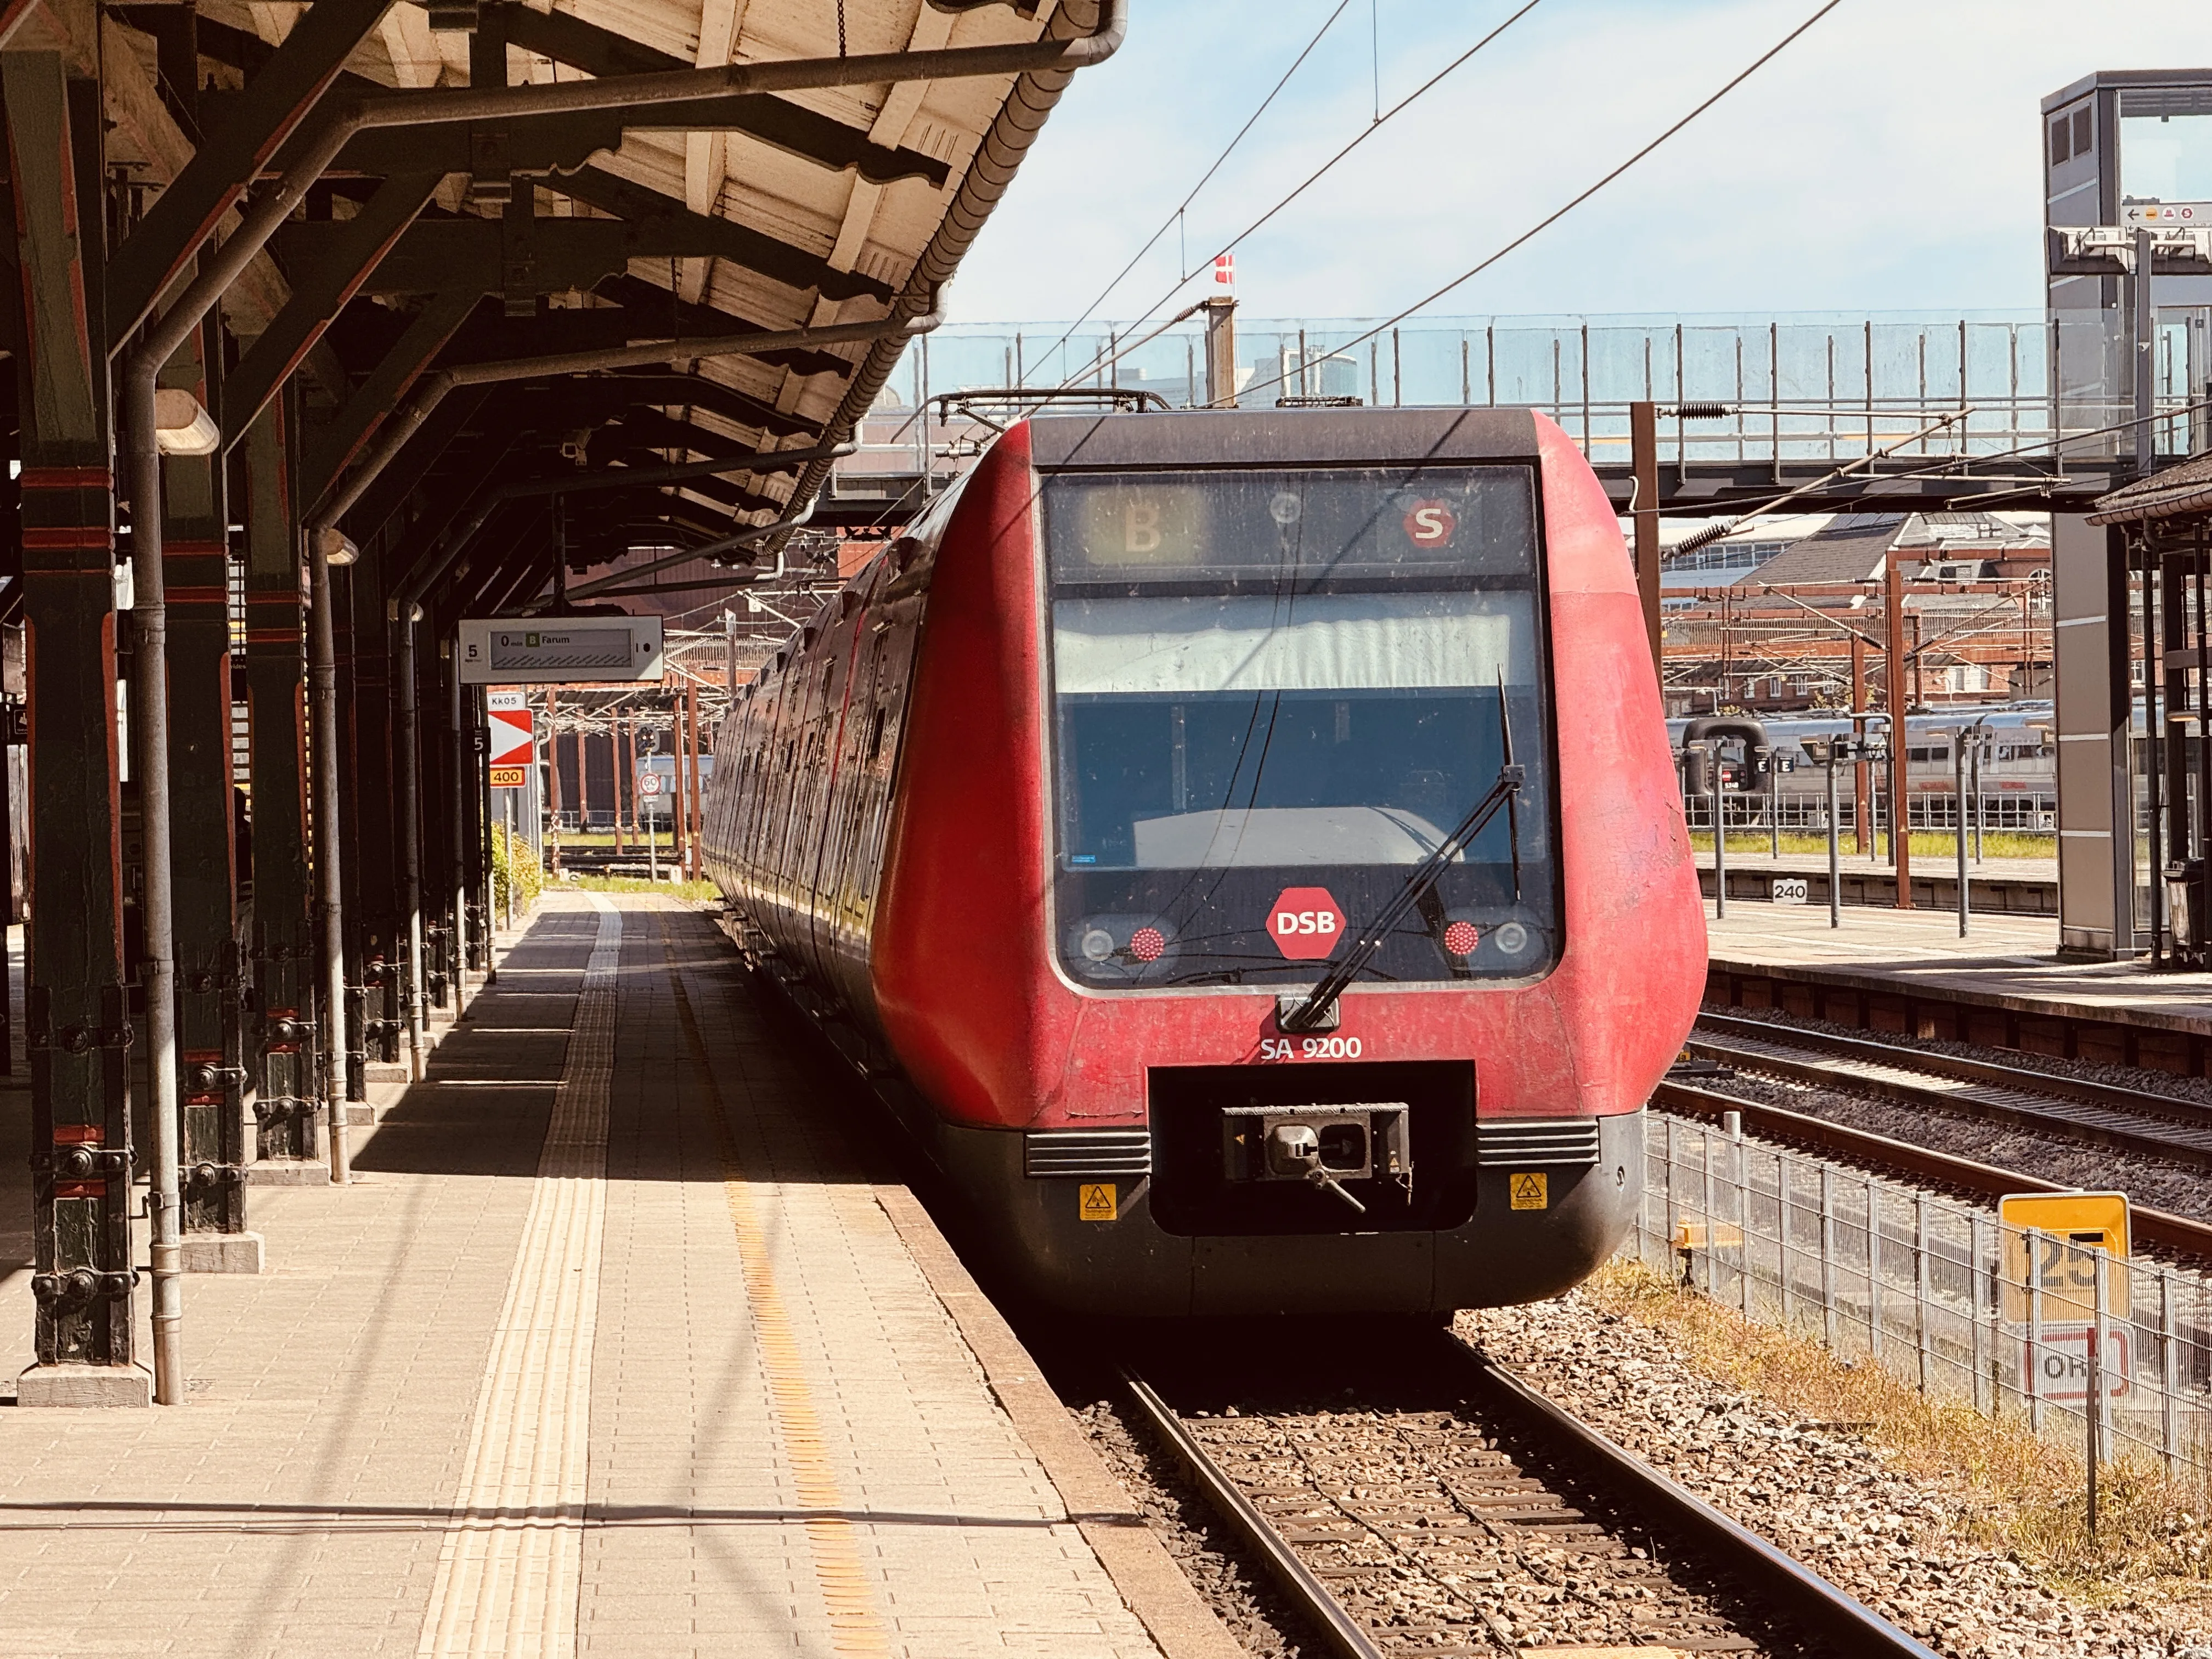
x=1339, y=1632
x=1784, y=1584
x=2134, y=1121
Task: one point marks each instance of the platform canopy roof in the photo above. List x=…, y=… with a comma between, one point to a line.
x=2181, y=491
x=446, y=247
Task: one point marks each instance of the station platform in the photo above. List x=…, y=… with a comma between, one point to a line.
x=621, y=1342
x=2002, y=984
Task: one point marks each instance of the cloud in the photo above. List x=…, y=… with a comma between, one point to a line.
x=1890, y=160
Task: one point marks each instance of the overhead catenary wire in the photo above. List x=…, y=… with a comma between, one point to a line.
x=1562, y=211
x=1204, y=178
x=1114, y=354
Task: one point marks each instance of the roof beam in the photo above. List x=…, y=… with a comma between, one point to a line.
x=426, y=337
x=355, y=247
x=646, y=313
x=791, y=127
x=780, y=261
x=244, y=137
x=707, y=155
x=932, y=28
x=568, y=254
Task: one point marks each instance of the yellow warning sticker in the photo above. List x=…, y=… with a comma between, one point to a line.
x=1532, y=1191
x=1098, y=1200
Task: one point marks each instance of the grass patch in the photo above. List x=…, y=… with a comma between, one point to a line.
x=595, y=883
x=2025, y=1497
x=1926, y=844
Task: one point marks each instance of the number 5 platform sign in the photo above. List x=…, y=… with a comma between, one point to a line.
x=2050, y=1243
x=513, y=746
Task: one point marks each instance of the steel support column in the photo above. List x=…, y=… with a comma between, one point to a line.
x=2090, y=639
x=286, y=1029
x=76, y=1010
x=369, y=824
x=203, y=851
x=1894, y=699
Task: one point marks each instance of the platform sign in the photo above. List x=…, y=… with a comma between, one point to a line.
x=514, y=738
x=506, y=699
x=510, y=777
x=559, y=651
x=2068, y=1227
x=2165, y=215
x=2057, y=1368
x=1791, y=890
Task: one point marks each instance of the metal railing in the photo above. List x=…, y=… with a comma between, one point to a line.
x=1939, y=1293
x=1798, y=387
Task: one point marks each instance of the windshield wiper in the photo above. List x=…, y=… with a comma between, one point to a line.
x=1501, y=792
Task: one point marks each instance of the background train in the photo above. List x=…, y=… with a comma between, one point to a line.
x=2015, y=773
x=1058, y=814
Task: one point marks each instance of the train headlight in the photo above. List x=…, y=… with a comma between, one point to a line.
x=1116, y=948
x=1512, y=938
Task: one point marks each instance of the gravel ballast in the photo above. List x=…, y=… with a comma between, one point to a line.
x=1822, y=1493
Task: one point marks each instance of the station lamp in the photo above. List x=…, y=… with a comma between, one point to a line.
x=181, y=426
x=338, y=547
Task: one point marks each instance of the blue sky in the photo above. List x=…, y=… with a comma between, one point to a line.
x=1888, y=160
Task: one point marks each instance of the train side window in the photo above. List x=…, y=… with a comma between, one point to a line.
x=2082, y=129
x=2061, y=148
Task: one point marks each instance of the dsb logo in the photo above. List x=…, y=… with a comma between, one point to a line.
x=1306, y=923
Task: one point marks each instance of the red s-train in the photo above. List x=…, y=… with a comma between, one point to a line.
x=1245, y=848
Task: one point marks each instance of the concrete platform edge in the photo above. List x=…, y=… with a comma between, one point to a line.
x=1894, y=984
x=1147, y=1576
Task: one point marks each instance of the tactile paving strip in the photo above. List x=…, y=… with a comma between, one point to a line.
x=513, y=1554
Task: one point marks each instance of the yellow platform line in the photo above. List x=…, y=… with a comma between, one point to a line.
x=847, y=1585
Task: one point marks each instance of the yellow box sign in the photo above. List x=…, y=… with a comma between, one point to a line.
x=1531, y=1190
x=1098, y=1200
x=2068, y=1227
x=509, y=777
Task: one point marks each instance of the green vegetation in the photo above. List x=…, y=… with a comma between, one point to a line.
x=2024, y=1495
x=512, y=861
x=693, y=891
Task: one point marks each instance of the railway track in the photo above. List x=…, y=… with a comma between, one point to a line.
x=1446, y=1507
x=2078, y=1109
x=2156, y=1229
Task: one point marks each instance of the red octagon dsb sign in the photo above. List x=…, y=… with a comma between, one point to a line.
x=1306, y=923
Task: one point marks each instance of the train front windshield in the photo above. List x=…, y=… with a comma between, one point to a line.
x=1279, y=694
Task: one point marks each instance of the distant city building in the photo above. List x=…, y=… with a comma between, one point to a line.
x=1766, y=618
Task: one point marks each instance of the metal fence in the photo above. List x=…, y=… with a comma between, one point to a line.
x=1937, y=1292
x=1751, y=812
